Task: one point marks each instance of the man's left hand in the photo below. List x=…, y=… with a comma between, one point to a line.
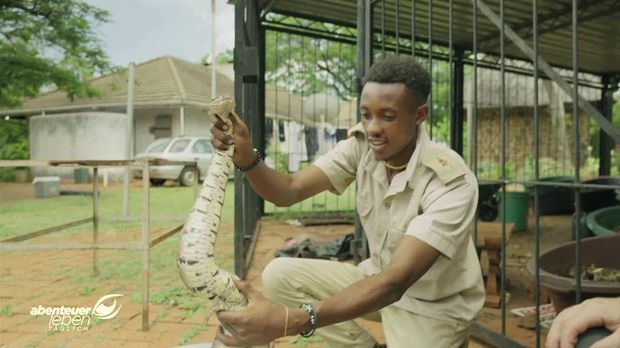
x=262, y=321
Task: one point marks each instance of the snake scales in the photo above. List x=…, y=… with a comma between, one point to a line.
x=196, y=260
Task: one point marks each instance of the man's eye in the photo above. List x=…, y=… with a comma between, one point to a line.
x=365, y=115
x=388, y=117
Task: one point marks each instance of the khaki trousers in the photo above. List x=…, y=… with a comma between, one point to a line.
x=292, y=281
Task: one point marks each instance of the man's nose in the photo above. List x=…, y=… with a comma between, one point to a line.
x=372, y=126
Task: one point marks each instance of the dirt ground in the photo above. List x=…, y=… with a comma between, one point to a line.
x=32, y=278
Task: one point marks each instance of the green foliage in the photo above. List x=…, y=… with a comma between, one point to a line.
x=47, y=43
x=6, y=311
x=14, y=140
x=86, y=290
x=303, y=342
x=308, y=65
x=14, y=145
x=190, y=334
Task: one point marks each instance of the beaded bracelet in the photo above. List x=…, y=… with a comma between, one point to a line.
x=309, y=308
x=251, y=165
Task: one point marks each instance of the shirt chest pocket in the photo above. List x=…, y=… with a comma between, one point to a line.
x=393, y=236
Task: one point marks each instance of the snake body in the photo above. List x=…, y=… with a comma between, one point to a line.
x=196, y=260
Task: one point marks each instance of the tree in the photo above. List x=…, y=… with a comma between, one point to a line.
x=307, y=65
x=49, y=43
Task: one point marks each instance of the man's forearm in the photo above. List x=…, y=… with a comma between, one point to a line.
x=366, y=296
x=411, y=259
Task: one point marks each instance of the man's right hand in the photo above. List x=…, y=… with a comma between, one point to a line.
x=244, y=154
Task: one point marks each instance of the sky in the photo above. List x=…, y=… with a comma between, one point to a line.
x=141, y=30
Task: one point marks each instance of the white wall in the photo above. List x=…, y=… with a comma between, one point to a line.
x=76, y=136
x=197, y=122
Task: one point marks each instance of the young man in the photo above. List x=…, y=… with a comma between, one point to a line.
x=416, y=200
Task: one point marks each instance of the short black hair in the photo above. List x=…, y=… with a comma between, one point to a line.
x=403, y=69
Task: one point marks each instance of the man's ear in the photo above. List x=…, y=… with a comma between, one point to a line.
x=421, y=114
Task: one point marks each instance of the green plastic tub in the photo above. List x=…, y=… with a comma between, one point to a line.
x=517, y=204
x=604, y=222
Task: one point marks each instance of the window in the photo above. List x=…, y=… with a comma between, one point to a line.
x=158, y=145
x=179, y=145
x=202, y=146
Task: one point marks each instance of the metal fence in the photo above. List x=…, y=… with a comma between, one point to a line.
x=496, y=99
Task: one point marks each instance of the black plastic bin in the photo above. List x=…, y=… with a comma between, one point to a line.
x=554, y=200
x=594, y=198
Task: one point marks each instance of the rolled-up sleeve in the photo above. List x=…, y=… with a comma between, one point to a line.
x=447, y=212
x=340, y=164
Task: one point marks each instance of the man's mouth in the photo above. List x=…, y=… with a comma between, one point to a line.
x=377, y=144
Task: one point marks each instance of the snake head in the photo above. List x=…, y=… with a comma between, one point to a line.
x=222, y=105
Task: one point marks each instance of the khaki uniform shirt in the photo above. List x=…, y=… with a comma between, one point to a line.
x=433, y=199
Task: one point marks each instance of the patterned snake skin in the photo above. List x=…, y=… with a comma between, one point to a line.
x=196, y=262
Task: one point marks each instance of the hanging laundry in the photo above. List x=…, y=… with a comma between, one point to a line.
x=312, y=142
x=297, y=151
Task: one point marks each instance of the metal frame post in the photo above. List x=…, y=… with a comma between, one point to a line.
x=604, y=149
x=145, y=245
x=457, y=110
x=364, y=20
x=536, y=172
x=95, y=219
x=250, y=96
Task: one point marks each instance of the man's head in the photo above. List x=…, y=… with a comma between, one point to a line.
x=392, y=105
x=405, y=70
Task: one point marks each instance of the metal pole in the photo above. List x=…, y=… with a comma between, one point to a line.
x=95, y=219
x=182, y=119
x=474, y=90
x=382, y=28
x=503, y=160
x=576, y=149
x=413, y=28
x=536, y=172
x=430, y=66
x=213, y=51
x=604, y=141
x=473, y=136
x=451, y=77
x=397, y=38
x=129, y=137
x=145, y=246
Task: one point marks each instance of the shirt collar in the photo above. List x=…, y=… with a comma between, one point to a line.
x=400, y=180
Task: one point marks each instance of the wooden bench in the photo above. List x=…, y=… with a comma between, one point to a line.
x=489, y=239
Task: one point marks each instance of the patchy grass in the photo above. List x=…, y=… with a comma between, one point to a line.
x=174, y=296
x=6, y=311
x=18, y=218
x=305, y=341
x=86, y=290
x=190, y=334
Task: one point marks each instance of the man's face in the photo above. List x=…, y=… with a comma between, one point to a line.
x=390, y=116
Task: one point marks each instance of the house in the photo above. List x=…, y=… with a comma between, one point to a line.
x=171, y=98
x=555, y=115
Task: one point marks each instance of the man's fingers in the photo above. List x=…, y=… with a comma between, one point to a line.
x=221, y=136
x=246, y=289
x=226, y=339
x=219, y=145
x=238, y=125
